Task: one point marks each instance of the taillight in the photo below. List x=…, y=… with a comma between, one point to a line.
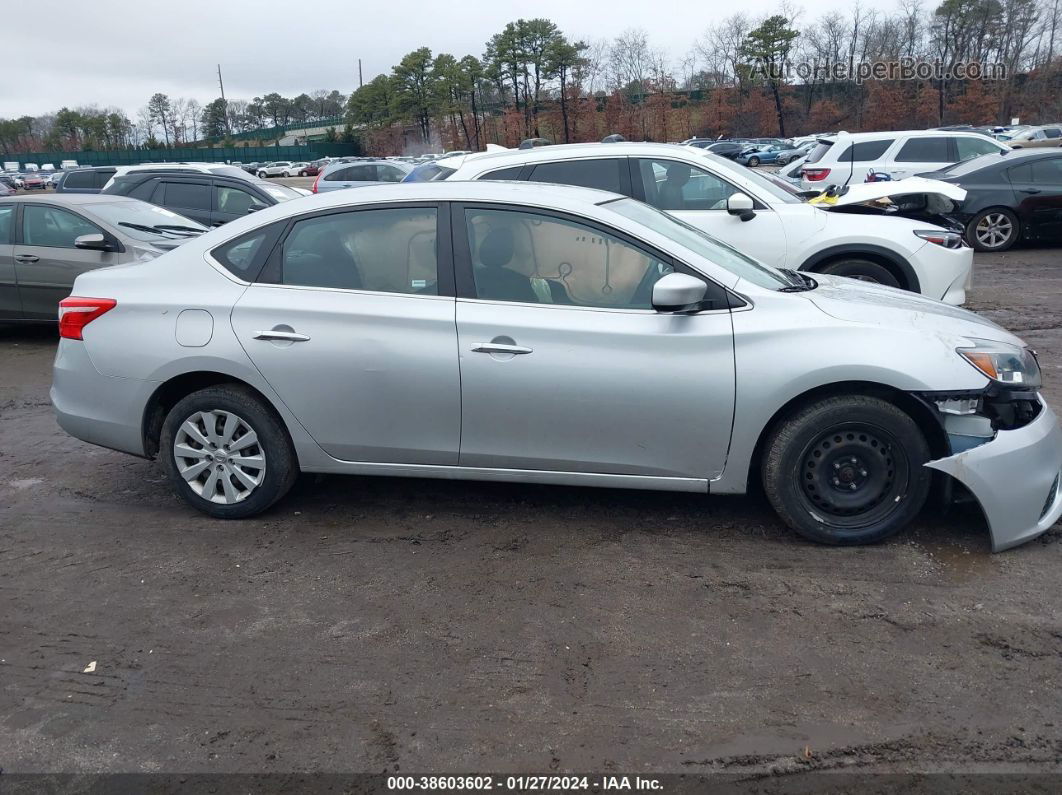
x=75, y=313
x=816, y=174
x=314, y=188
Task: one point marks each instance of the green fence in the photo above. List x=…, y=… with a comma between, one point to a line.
x=245, y=154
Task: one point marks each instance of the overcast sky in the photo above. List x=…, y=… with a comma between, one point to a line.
x=120, y=52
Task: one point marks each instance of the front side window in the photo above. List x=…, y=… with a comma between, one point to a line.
x=386, y=250
x=925, y=150
x=237, y=201
x=190, y=195
x=539, y=259
x=50, y=226
x=603, y=174
x=673, y=185
x=968, y=148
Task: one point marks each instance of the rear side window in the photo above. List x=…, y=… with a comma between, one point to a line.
x=353, y=174
x=865, y=151
x=387, y=250
x=243, y=257
x=190, y=195
x=819, y=152
x=925, y=150
x=513, y=172
x=81, y=179
x=429, y=172
x=1053, y=132
x=1048, y=172
x=143, y=191
x=603, y=174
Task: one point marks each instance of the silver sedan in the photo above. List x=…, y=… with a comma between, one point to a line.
x=47, y=241
x=547, y=334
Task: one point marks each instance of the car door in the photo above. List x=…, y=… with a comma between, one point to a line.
x=10, y=305
x=698, y=197
x=46, y=260
x=189, y=197
x=231, y=202
x=921, y=153
x=1037, y=189
x=566, y=367
x=352, y=323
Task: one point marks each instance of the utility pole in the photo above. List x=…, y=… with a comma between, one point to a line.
x=221, y=85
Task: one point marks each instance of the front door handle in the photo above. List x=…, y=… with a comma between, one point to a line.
x=26, y=258
x=276, y=334
x=497, y=347
x=1030, y=190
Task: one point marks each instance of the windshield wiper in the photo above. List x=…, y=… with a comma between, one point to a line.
x=157, y=230
x=179, y=228
x=800, y=282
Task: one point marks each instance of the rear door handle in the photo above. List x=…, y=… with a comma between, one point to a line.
x=497, y=347
x=274, y=334
x=1030, y=190
x=26, y=258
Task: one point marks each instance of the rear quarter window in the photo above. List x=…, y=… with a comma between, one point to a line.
x=244, y=256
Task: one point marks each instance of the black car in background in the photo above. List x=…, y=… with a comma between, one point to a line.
x=1010, y=197
x=84, y=180
x=210, y=199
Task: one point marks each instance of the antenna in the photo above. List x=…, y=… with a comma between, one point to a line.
x=851, y=164
x=360, y=82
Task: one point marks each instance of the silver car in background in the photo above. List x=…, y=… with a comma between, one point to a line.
x=339, y=175
x=48, y=241
x=547, y=334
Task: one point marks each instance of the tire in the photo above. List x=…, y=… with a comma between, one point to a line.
x=263, y=175
x=753, y=162
x=285, y=174
x=240, y=490
x=994, y=229
x=302, y=173
x=859, y=490
x=862, y=269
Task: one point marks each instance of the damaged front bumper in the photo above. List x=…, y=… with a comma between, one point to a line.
x=1015, y=477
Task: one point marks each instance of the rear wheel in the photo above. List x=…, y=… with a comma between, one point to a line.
x=996, y=229
x=862, y=269
x=847, y=470
x=753, y=162
x=226, y=452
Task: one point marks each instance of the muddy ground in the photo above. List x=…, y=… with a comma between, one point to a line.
x=419, y=626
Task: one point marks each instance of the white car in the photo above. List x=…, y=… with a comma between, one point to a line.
x=280, y=168
x=847, y=158
x=859, y=234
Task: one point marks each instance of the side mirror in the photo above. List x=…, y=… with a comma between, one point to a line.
x=253, y=209
x=677, y=291
x=741, y=205
x=96, y=242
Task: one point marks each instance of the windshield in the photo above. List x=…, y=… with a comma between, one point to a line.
x=279, y=192
x=429, y=172
x=964, y=167
x=715, y=251
x=141, y=214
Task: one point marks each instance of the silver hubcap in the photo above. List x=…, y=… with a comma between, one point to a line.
x=219, y=455
x=994, y=230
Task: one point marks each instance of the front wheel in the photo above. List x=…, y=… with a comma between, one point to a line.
x=262, y=175
x=226, y=453
x=863, y=270
x=996, y=229
x=847, y=470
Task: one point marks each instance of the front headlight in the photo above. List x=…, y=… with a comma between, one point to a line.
x=1007, y=364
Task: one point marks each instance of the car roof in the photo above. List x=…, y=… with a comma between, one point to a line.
x=72, y=198
x=567, y=151
x=862, y=136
